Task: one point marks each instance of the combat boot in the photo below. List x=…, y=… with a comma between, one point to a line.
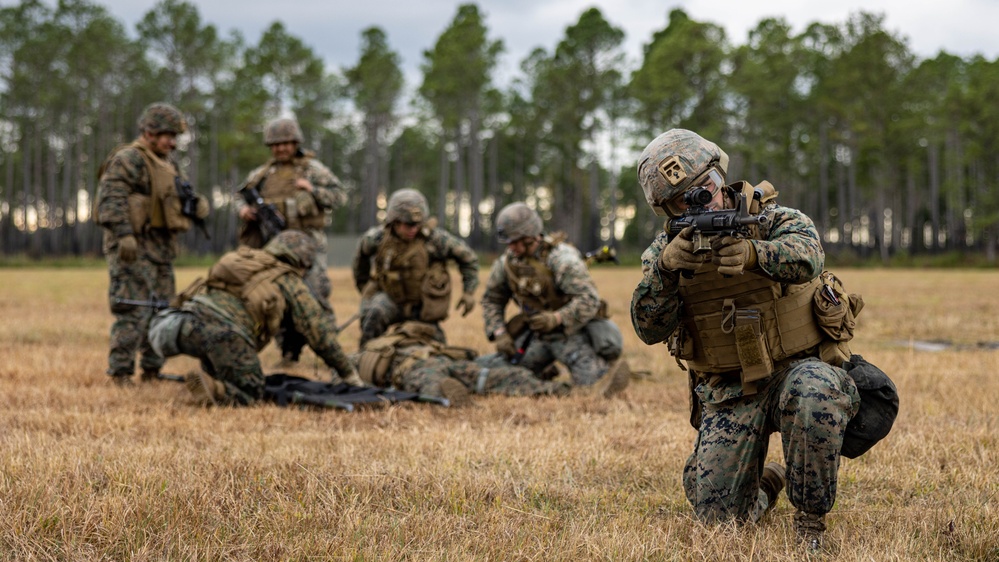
x=809, y=527
x=150, y=375
x=206, y=390
x=615, y=380
x=455, y=392
x=772, y=482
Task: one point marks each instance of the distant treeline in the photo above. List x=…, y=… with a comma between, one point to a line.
x=888, y=154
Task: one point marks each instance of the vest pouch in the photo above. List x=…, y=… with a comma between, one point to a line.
x=436, y=294
x=751, y=343
x=138, y=212
x=606, y=338
x=173, y=215
x=836, y=316
x=373, y=366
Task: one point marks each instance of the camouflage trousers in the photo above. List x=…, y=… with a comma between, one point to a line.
x=140, y=280
x=425, y=376
x=317, y=279
x=225, y=355
x=809, y=403
x=574, y=351
x=379, y=312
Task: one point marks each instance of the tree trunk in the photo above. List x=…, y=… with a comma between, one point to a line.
x=933, y=163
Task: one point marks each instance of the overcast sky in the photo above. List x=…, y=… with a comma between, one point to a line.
x=333, y=27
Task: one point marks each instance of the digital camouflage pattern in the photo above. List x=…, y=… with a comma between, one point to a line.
x=408, y=206
x=282, y=130
x=809, y=403
x=378, y=311
x=672, y=161
x=232, y=357
x=516, y=221
x=162, y=118
x=570, y=346
x=150, y=277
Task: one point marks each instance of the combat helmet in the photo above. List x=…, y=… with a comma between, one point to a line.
x=162, y=117
x=516, y=221
x=293, y=247
x=408, y=206
x=674, y=162
x=282, y=130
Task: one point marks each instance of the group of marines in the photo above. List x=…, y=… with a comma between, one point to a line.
x=721, y=311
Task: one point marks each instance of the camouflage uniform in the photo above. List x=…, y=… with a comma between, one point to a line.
x=150, y=276
x=569, y=344
x=220, y=329
x=273, y=180
x=809, y=402
x=378, y=309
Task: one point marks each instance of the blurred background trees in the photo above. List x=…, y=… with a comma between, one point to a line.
x=889, y=154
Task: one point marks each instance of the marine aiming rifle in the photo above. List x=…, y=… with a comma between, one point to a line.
x=189, y=204
x=269, y=219
x=709, y=224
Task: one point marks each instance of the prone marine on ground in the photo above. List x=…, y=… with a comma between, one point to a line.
x=562, y=317
x=143, y=202
x=410, y=357
x=744, y=314
x=248, y=297
x=409, y=257
x=301, y=189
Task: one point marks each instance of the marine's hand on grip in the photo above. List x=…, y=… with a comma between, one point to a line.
x=732, y=255
x=544, y=322
x=679, y=254
x=466, y=303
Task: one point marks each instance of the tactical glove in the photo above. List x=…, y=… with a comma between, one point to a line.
x=679, y=254
x=128, y=249
x=305, y=204
x=202, y=208
x=467, y=303
x=504, y=344
x=732, y=255
x=544, y=322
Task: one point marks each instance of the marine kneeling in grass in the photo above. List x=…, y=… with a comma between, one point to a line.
x=248, y=297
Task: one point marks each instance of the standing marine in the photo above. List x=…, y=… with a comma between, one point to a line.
x=562, y=317
x=740, y=315
x=302, y=190
x=143, y=203
x=400, y=268
x=249, y=296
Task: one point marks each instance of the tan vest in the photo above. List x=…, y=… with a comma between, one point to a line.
x=161, y=207
x=414, y=340
x=403, y=270
x=279, y=189
x=532, y=282
x=250, y=274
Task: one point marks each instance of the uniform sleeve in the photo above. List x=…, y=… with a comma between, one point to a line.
x=366, y=248
x=655, y=304
x=789, y=250
x=496, y=297
x=315, y=322
x=327, y=189
x=456, y=249
x=125, y=174
x=573, y=279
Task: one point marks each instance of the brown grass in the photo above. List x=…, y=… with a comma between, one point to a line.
x=92, y=472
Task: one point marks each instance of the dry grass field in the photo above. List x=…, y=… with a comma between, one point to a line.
x=89, y=471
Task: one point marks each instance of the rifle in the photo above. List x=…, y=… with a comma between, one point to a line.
x=348, y=322
x=152, y=303
x=189, y=204
x=604, y=254
x=269, y=219
x=709, y=224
